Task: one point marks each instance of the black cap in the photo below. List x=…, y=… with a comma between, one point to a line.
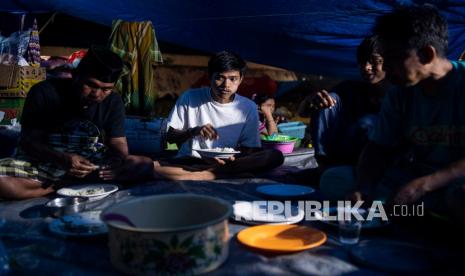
x=102, y=64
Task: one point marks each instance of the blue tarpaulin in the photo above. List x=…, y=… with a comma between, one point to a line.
x=311, y=36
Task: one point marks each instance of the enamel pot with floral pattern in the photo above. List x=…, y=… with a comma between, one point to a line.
x=168, y=234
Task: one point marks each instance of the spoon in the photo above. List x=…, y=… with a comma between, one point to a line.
x=118, y=217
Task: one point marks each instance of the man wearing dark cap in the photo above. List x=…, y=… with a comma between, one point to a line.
x=71, y=129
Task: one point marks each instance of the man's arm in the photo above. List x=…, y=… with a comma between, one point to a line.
x=178, y=131
x=378, y=152
x=34, y=144
x=371, y=166
x=271, y=127
x=179, y=136
x=118, y=150
x=315, y=102
x=118, y=147
x=415, y=189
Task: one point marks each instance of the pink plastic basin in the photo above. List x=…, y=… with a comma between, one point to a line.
x=284, y=147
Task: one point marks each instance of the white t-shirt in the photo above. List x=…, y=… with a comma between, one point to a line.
x=236, y=122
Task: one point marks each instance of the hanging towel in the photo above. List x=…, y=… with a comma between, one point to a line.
x=136, y=44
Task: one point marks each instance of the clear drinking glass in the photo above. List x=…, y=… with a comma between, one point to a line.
x=349, y=231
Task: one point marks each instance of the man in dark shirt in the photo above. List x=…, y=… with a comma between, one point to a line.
x=341, y=120
x=51, y=104
x=416, y=152
x=65, y=125
x=74, y=129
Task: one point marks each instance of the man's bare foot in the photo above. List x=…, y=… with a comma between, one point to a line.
x=180, y=173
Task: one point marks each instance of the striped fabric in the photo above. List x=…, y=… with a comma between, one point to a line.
x=77, y=141
x=136, y=44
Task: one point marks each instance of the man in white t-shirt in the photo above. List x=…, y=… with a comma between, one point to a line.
x=217, y=117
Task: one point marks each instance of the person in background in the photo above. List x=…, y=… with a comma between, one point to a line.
x=416, y=152
x=342, y=119
x=266, y=107
x=73, y=131
x=217, y=117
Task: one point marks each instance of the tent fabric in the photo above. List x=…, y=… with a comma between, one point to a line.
x=311, y=36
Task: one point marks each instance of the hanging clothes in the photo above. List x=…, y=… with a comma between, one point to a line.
x=136, y=44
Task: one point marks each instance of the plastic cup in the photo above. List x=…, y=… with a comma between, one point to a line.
x=349, y=231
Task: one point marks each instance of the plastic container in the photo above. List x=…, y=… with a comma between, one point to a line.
x=294, y=129
x=145, y=136
x=284, y=147
x=61, y=206
x=283, y=143
x=298, y=143
x=192, y=238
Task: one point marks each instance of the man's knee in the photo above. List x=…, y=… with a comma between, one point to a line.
x=138, y=162
x=7, y=190
x=274, y=158
x=22, y=188
x=137, y=167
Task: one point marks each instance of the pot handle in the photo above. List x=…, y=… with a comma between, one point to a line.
x=118, y=217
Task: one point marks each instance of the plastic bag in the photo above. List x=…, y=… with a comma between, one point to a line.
x=13, y=48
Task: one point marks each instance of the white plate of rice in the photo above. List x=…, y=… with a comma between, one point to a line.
x=91, y=191
x=222, y=153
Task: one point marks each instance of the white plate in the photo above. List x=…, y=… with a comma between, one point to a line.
x=91, y=191
x=285, y=190
x=79, y=225
x=211, y=153
x=249, y=213
x=376, y=222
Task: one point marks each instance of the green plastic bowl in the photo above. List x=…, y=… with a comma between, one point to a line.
x=283, y=143
x=279, y=138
